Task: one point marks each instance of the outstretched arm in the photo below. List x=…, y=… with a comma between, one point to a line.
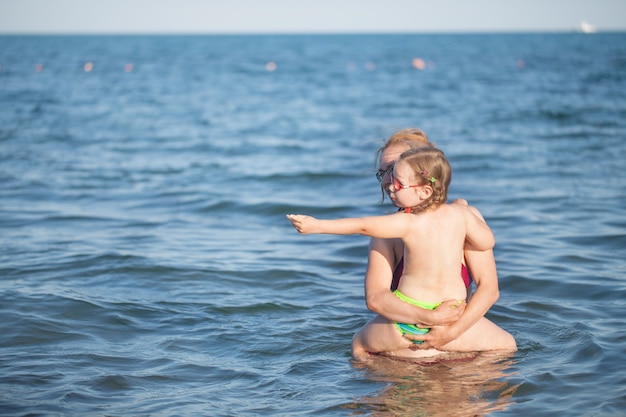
x=390, y=226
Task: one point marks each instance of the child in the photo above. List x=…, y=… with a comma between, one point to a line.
x=434, y=236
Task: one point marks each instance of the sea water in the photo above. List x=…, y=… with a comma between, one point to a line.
x=147, y=269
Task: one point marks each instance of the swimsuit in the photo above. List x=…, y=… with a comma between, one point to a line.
x=411, y=328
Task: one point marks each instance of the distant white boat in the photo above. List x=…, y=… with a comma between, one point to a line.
x=587, y=28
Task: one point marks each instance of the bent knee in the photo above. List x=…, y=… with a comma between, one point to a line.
x=504, y=341
x=510, y=343
x=358, y=349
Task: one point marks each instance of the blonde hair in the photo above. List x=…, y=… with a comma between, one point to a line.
x=411, y=137
x=430, y=167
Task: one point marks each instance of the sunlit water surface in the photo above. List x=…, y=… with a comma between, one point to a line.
x=146, y=267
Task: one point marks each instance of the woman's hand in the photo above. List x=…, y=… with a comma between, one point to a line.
x=446, y=313
x=440, y=333
x=437, y=337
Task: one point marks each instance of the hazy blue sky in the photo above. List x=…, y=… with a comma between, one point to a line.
x=306, y=16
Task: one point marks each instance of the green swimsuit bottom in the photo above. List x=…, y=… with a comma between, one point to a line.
x=411, y=328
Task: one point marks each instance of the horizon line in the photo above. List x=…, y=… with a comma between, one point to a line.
x=305, y=33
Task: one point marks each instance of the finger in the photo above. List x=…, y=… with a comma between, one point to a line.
x=457, y=304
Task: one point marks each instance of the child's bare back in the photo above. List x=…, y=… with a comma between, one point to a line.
x=434, y=251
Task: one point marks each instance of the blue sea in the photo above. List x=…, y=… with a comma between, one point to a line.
x=147, y=268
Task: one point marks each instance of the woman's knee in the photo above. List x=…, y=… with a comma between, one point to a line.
x=358, y=349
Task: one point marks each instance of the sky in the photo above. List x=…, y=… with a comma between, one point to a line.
x=305, y=16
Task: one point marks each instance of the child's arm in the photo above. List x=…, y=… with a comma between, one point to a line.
x=479, y=236
x=385, y=227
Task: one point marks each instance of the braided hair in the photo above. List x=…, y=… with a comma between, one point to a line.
x=430, y=167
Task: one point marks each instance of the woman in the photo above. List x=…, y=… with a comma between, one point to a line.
x=459, y=329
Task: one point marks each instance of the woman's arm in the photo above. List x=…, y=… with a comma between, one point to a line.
x=479, y=236
x=379, y=298
x=482, y=264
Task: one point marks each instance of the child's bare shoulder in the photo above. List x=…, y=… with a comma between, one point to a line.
x=473, y=214
x=455, y=213
x=464, y=210
x=454, y=209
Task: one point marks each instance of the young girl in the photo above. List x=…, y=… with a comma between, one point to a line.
x=434, y=236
